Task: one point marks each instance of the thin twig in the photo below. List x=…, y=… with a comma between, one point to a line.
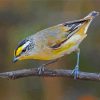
x=48, y=73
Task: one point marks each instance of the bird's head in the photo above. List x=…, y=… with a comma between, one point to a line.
x=23, y=50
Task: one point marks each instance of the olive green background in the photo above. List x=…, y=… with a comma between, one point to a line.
x=21, y=18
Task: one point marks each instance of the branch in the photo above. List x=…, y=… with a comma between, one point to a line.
x=48, y=73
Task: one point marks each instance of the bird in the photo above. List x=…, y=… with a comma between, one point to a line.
x=56, y=41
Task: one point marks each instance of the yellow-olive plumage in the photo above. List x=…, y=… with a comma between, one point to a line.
x=56, y=41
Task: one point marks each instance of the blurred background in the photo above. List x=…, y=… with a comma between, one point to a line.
x=21, y=18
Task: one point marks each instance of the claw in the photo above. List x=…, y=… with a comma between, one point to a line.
x=41, y=69
x=75, y=72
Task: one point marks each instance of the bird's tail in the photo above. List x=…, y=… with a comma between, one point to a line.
x=92, y=15
x=87, y=20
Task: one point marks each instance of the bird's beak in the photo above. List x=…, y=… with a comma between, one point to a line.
x=15, y=59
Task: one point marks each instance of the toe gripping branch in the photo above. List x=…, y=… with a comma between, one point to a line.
x=41, y=69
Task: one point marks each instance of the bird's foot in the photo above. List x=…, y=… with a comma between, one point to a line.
x=41, y=69
x=75, y=72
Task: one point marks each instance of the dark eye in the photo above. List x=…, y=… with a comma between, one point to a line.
x=23, y=50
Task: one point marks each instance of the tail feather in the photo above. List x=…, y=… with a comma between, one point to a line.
x=92, y=14
x=82, y=23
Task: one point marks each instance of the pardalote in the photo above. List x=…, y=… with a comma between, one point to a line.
x=55, y=42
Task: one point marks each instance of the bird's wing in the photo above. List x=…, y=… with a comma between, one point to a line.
x=59, y=34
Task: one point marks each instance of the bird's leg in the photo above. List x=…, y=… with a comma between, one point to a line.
x=42, y=67
x=75, y=71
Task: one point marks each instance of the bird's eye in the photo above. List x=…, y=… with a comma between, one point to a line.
x=24, y=50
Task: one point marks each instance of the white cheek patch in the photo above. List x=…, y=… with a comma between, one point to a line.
x=26, y=44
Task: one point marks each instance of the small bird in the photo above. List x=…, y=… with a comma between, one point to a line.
x=55, y=42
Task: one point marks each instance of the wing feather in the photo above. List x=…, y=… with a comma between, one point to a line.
x=69, y=29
